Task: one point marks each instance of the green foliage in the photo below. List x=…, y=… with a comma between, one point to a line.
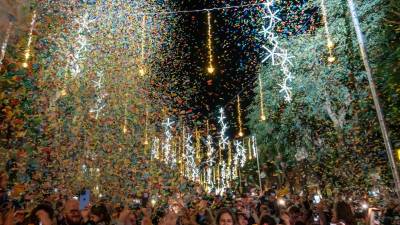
x=332, y=113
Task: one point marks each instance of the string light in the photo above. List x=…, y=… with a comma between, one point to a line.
x=249, y=148
x=28, y=47
x=262, y=115
x=142, y=70
x=155, y=148
x=254, y=146
x=240, y=153
x=169, y=155
x=276, y=54
x=330, y=43
x=191, y=168
x=210, y=68
x=198, y=145
x=146, y=142
x=223, y=141
x=81, y=46
x=239, y=112
x=5, y=43
x=101, y=95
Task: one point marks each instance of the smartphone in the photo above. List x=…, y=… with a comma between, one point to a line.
x=84, y=199
x=316, y=199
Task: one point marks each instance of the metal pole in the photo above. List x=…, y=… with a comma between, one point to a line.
x=258, y=163
x=372, y=86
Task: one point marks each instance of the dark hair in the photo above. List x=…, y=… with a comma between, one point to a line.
x=267, y=220
x=101, y=211
x=344, y=213
x=224, y=211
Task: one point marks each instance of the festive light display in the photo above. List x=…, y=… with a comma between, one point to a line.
x=261, y=93
x=28, y=47
x=169, y=155
x=239, y=113
x=100, y=95
x=5, y=43
x=142, y=70
x=210, y=68
x=191, y=168
x=276, y=54
x=330, y=43
x=240, y=154
x=223, y=140
x=80, y=46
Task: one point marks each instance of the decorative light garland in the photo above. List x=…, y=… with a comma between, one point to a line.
x=261, y=93
x=28, y=47
x=330, y=43
x=239, y=112
x=278, y=55
x=198, y=145
x=100, y=99
x=155, y=149
x=142, y=70
x=210, y=68
x=5, y=43
x=223, y=141
x=191, y=168
x=169, y=155
x=81, y=45
x=254, y=146
x=240, y=151
x=146, y=141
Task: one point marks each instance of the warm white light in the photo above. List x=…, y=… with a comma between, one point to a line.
x=281, y=202
x=25, y=65
x=263, y=118
x=241, y=134
x=63, y=92
x=210, y=69
x=142, y=72
x=331, y=59
x=153, y=202
x=365, y=205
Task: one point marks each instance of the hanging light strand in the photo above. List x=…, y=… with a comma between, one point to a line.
x=28, y=47
x=210, y=68
x=142, y=70
x=330, y=43
x=239, y=113
x=261, y=93
x=5, y=43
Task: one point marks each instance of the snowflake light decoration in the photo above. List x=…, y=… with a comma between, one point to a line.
x=276, y=54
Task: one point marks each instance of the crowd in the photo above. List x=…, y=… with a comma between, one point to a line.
x=194, y=209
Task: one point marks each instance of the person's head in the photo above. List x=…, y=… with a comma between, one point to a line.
x=267, y=220
x=294, y=214
x=99, y=213
x=71, y=212
x=343, y=212
x=41, y=210
x=225, y=217
x=3, y=180
x=242, y=219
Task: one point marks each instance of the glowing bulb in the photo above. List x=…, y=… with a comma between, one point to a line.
x=125, y=129
x=75, y=197
x=331, y=59
x=281, y=202
x=330, y=44
x=241, y=134
x=365, y=206
x=146, y=142
x=263, y=118
x=398, y=154
x=210, y=69
x=25, y=65
x=142, y=72
x=153, y=202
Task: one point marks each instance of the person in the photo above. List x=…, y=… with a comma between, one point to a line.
x=3, y=188
x=242, y=219
x=99, y=215
x=267, y=220
x=225, y=217
x=71, y=215
x=342, y=214
x=42, y=214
